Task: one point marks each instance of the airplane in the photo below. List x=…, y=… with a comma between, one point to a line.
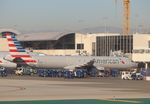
x=19, y=56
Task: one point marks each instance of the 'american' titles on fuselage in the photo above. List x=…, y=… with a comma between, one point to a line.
x=107, y=61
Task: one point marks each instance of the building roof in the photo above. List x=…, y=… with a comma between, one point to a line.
x=41, y=36
x=54, y=36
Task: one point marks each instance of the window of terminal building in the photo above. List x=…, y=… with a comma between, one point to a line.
x=0, y=35
x=93, y=48
x=46, y=44
x=106, y=44
x=65, y=42
x=80, y=46
x=148, y=44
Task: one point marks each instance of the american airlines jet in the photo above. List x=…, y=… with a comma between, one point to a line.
x=19, y=56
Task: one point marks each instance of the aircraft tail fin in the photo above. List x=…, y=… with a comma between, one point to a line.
x=17, y=52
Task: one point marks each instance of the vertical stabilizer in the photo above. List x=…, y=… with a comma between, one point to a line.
x=17, y=52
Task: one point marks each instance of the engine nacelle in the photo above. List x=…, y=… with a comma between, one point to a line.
x=8, y=64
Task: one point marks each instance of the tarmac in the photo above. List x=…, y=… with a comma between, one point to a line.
x=26, y=88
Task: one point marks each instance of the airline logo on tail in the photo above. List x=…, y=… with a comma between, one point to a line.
x=17, y=52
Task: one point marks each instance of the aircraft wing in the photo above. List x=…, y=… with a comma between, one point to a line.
x=82, y=65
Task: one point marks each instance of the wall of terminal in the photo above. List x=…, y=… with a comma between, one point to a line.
x=141, y=48
x=85, y=43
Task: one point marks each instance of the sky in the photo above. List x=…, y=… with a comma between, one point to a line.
x=70, y=15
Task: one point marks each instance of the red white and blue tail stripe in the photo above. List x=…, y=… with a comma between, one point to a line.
x=16, y=50
x=1, y=62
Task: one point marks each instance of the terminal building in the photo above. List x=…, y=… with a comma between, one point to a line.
x=76, y=43
x=135, y=46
